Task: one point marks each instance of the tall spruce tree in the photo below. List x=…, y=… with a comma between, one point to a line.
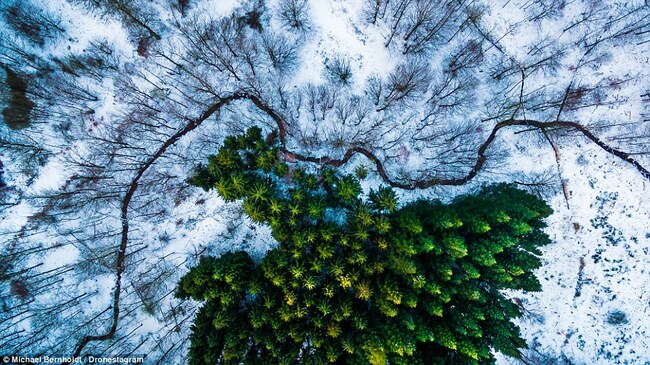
x=360, y=281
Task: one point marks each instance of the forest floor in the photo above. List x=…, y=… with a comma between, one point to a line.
x=98, y=222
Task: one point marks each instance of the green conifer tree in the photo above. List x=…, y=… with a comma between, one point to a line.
x=360, y=282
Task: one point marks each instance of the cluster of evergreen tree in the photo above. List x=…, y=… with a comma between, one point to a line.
x=360, y=280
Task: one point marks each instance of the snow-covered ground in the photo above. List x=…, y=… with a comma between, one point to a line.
x=62, y=227
x=597, y=267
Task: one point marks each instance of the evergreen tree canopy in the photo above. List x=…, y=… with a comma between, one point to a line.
x=360, y=281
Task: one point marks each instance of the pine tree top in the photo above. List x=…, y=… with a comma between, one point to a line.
x=357, y=280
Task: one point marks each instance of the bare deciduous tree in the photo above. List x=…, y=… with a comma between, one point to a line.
x=129, y=11
x=294, y=14
x=407, y=80
x=32, y=22
x=374, y=10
